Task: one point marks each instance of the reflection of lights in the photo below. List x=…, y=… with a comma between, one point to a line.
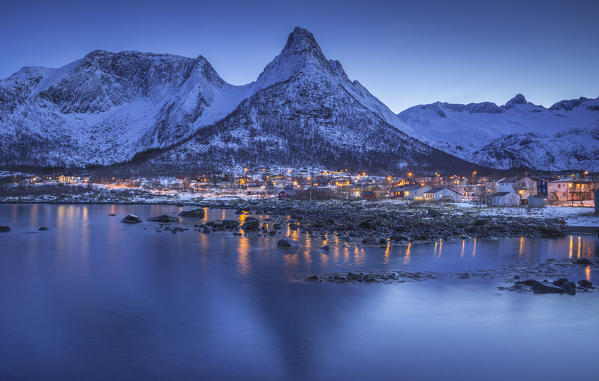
x=474, y=249
x=579, y=247
x=388, y=251
x=407, y=256
x=571, y=247
x=521, y=246
x=290, y=260
x=324, y=259
x=463, y=245
x=587, y=273
x=440, y=246
x=307, y=257
x=243, y=259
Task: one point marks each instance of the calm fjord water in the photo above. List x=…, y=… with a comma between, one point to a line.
x=93, y=298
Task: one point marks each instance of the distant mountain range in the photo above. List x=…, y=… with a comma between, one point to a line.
x=109, y=108
x=517, y=134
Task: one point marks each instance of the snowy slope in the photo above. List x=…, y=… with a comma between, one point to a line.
x=517, y=134
x=306, y=111
x=109, y=108
x=106, y=107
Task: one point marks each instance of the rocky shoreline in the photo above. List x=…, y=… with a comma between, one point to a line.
x=515, y=277
x=366, y=222
x=380, y=223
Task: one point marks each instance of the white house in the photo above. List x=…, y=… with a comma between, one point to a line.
x=412, y=192
x=505, y=199
x=442, y=194
x=507, y=184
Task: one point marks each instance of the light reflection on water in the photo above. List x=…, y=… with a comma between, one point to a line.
x=92, y=291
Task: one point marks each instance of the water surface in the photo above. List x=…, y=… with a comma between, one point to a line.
x=93, y=298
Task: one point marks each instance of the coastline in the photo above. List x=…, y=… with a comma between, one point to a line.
x=370, y=222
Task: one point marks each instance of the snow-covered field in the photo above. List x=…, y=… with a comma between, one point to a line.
x=574, y=216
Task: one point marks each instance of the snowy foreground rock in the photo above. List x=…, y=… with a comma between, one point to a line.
x=169, y=110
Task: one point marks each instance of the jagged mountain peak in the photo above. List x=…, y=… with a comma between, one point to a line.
x=301, y=53
x=518, y=99
x=301, y=41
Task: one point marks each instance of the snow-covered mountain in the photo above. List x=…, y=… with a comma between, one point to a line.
x=517, y=134
x=109, y=108
x=305, y=110
x=104, y=108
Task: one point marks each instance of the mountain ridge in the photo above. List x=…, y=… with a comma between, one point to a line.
x=108, y=108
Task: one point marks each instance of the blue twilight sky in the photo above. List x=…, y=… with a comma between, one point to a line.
x=404, y=52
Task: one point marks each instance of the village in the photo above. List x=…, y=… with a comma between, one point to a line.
x=574, y=189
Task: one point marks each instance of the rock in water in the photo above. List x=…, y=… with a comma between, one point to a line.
x=325, y=248
x=131, y=219
x=583, y=261
x=287, y=243
x=230, y=224
x=4, y=229
x=585, y=283
x=164, y=219
x=198, y=213
x=539, y=288
x=569, y=288
x=251, y=224
x=43, y=228
x=112, y=215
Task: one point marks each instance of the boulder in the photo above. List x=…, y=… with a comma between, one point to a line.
x=4, y=229
x=539, y=288
x=585, y=283
x=583, y=261
x=566, y=285
x=230, y=224
x=251, y=224
x=325, y=248
x=371, y=240
x=569, y=288
x=43, y=228
x=112, y=215
x=551, y=231
x=198, y=213
x=560, y=282
x=287, y=243
x=131, y=219
x=164, y=219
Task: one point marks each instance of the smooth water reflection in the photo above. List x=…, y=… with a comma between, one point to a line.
x=96, y=299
